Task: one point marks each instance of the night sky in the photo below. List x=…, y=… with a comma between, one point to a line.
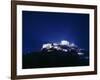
x=43, y=27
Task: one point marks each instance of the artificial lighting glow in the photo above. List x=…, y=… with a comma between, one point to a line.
x=59, y=46
x=56, y=47
x=48, y=46
x=80, y=53
x=55, y=44
x=72, y=45
x=65, y=50
x=64, y=42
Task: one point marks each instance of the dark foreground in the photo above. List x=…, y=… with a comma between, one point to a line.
x=53, y=59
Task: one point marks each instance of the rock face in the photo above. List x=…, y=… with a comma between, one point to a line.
x=61, y=54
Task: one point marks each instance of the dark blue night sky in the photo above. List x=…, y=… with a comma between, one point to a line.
x=44, y=27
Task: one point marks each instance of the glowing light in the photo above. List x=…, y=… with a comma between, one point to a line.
x=64, y=42
x=72, y=45
x=80, y=53
x=56, y=47
x=65, y=50
x=55, y=44
x=59, y=46
x=47, y=46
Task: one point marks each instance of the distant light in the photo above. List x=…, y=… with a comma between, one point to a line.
x=56, y=47
x=80, y=53
x=49, y=50
x=65, y=50
x=64, y=42
x=47, y=46
x=55, y=44
x=72, y=45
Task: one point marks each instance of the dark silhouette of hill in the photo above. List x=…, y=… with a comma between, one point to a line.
x=43, y=59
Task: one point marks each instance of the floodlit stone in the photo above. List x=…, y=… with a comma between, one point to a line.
x=64, y=46
x=47, y=46
x=64, y=42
